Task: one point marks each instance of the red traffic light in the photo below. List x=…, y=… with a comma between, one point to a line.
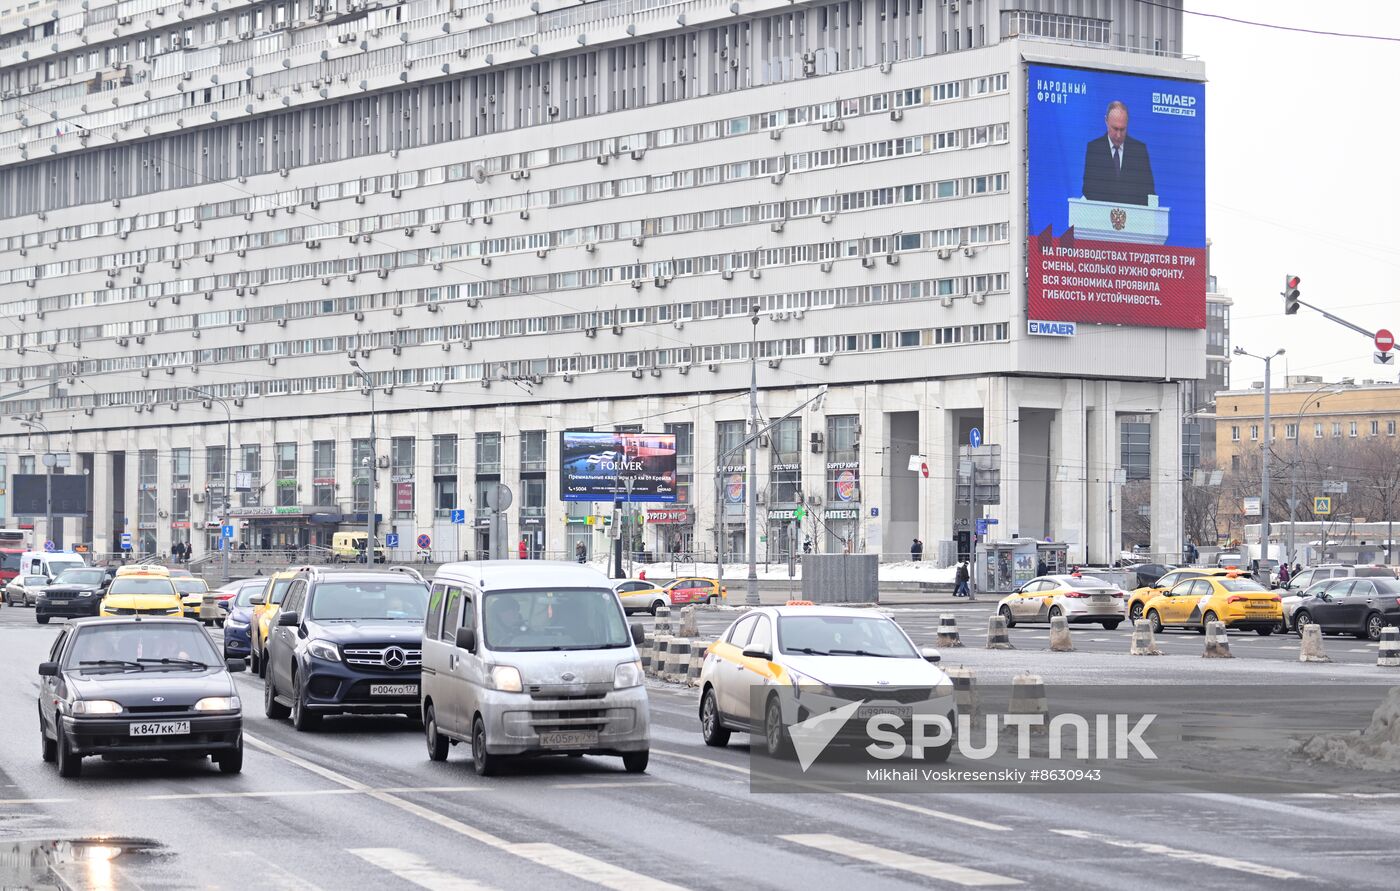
x=1293, y=281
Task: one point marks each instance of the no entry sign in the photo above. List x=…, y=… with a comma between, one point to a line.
x=1385, y=341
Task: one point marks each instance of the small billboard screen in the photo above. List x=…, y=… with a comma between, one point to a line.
x=609, y=466
x=30, y=499
x=1116, y=198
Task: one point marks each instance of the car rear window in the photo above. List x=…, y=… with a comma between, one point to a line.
x=190, y=586
x=1386, y=586
x=1240, y=586
x=1374, y=572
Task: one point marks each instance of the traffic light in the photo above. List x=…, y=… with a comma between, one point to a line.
x=1290, y=294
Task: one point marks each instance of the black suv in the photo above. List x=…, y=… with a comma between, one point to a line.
x=346, y=641
x=74, y=594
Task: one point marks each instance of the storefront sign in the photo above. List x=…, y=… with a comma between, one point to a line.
x=669, y=516
x=323, y=481
x=147, y=525
x=734, y=488
x=401, y=478
x=403, y=496
x=270, y=511
x=786, y=468
x=287, y=484
x=842, y=513
x=179, y=524
x=779, y=513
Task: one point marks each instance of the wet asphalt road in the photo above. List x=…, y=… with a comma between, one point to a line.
x=358, y=804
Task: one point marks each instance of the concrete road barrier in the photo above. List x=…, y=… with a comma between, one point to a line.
x=678, y=660
x=647, y=651
x=996, y=634
x=1312, y=645
x=1060, y=641
x=1028, y=698
x=948, y=631
x=1144, y=641
x=663, y=620
x=698, y=649
x=660, y=664
x=1217, y=642
x=1388, y=656
x=688, y=627
x=964, y=689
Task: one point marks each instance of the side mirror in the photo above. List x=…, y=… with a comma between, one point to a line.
x=931, y=655
x=288, y=620
x=639, y=634
x=235, y=665
x=48, y=669
x=466, y=639
x=758, y=654
x=258, y=599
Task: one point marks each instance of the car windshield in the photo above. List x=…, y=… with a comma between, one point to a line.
x=191, y=586
x=247, y=593
x=80, y=577
x=128, y=646
x=843, y=636
x=279, y=590
x=130, y=585
x=35, y=580
x=568, y=619
x=369, y=600
x=1241, y=585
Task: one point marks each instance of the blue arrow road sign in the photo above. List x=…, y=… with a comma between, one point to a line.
x=459, y=517
x=391, y=539
x=227, y=531
x=974, y=438
x=981, y=527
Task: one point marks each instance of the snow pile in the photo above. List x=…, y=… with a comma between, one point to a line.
x=1375, y=748
x=905, y=571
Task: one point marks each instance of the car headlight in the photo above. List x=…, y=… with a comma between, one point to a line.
x=94, y=707
x=323, y=649
x=219, y=704
x=234, y=625
x=84, y=593
x=942, y=688
x=506, y=678
x=628, y=674
x=801, y=683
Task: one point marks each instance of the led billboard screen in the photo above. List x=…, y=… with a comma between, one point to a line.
x=1116, y=185
x=608, y=466
x=31, y=495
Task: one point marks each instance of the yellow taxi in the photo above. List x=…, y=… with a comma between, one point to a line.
x=141, y=594
x=264, y=614
x=1232, y=598
x=1137, y=600
x=692, y=589
x=192, y=591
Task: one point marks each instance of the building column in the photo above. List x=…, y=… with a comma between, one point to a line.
x=1069, y=482
x=940, y=452
x=1003, y=413
x=101, y=501
x=165, y=493
x=1166, y=470
x=1101, y=460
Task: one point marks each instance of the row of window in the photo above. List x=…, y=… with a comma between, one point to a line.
x=1290, y=431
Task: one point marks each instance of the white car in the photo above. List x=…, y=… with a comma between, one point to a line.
x=1079, y=598
x=641, y=596
x=796, y=662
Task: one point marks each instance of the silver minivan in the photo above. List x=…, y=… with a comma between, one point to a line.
x=530, y=657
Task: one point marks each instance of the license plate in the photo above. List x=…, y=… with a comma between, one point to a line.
x=567, y=738
x=1100, y=598
x=160, y=728
x=1258, y=604
x=59, y=601
x=393, y=689
x=870, y=711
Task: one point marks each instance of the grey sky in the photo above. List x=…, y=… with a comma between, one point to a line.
x=1301, y=178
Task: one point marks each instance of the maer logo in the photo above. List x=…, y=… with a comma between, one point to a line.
x=1051, y=329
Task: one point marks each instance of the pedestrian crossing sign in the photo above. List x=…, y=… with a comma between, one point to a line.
x=1322, y=505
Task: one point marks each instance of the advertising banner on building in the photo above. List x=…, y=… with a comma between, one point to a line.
x=607, y=466
x=1116, y=197
x=63, y=494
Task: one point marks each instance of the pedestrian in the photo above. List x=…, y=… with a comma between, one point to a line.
x=807, y=545
x=524, y=553
x=1283, y=575
x=1040, y=567
x=916, y=550
x=580, y=552
x=961, y=578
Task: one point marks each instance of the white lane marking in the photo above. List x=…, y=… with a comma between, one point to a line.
x=1258, y=869
x=560, y=859
x=412, y=868
x=188, y=796
x=615, y=784
x=858, y=796
x=932, y=869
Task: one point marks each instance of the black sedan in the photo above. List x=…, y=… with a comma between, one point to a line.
x=138, y=687
x=74, y=594
x=1352, y=606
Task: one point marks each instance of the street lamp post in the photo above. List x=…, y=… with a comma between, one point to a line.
x=49, y=460
x=751, y=597
x=1264, y=473
x=210, y=398
x=373, y=466
x=1293, y=471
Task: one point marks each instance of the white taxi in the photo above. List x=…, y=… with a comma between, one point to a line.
x=779, y=666
x=1079, y=598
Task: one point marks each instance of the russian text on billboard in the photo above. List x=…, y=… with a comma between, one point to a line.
x=1116, y=197
x=608, y=466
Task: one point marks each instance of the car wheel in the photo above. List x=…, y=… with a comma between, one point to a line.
x=69, y=764
x=1374, y=625
x=271, y=707
x=1055, y=612
x=254, y=663
x=1155, y=621
x=1301, y=618
x=1005, y=613
x=1206, y=620
x=231, y=762
x=1264, y=632
x=712, y=600
x=1111, y=624
x=656, y=606
x=712, y=731
x=775, y=736
x=636, y=762
x=303, y=718
x=1135, y=611
x=484, y=762
x=437, y=743
x=42, y=620
x=47, y=747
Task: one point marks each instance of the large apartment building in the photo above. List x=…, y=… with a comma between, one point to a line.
x=520, y=218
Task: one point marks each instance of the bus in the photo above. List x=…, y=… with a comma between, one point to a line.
x=14, y=538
